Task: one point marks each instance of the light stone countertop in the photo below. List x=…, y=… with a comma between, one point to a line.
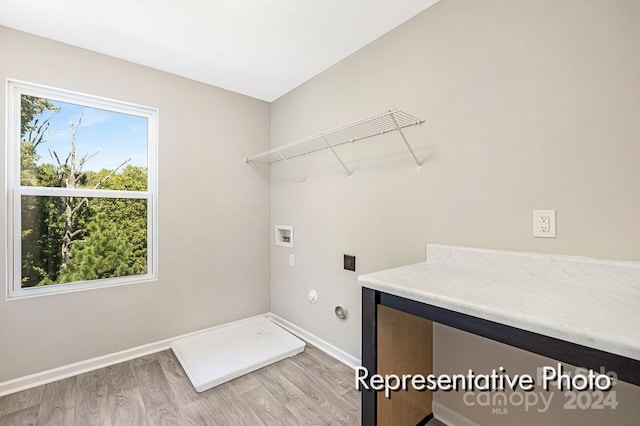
x=591, y=302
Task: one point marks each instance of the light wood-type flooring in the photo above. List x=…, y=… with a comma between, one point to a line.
x=310, y=388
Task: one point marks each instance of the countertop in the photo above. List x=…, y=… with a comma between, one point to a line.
x=591, y=302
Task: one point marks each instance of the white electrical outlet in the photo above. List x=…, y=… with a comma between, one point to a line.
x=544, y=223
x=292, y=261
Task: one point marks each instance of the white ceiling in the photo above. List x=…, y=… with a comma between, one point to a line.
x=260, y=48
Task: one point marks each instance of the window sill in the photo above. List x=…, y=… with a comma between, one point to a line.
x=55, y=289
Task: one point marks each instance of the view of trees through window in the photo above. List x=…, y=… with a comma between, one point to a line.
x=76, y=233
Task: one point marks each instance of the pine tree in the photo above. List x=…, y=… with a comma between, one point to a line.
x=105, y=253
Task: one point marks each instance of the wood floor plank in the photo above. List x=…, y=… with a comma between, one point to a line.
x=58, y=402
x=293, y=399
x=92, y=381
x=20, y=400
x=228, y=408
x=92, y=405
x=352, y=396
x=159, y=399
x=199, y=413
x=310, y=414
x=244, y=383
x=324, y=358
x=204, y=413
x=25, y=417
x=120, y=377
x=144, y=359
x=281, y=388
x=320, y=393
x=58, y=418
x=340, y=376
x=339, y=379
x=178, y=381
x=268, y=409
x=126, y=408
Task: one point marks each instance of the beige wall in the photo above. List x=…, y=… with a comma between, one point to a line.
x=213, y=215
x=528, y=105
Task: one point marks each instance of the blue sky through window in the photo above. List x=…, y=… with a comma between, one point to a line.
x=115, y=135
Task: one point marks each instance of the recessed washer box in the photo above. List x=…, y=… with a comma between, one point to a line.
x=284, y=235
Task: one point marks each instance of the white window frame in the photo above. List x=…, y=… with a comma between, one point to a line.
x=14, y=191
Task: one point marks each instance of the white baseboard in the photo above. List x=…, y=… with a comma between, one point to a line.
x=48, y=376
x=450, y=417
x=319, y=343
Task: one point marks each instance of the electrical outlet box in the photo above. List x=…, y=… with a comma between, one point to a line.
x=349, y=262
x=544, y=223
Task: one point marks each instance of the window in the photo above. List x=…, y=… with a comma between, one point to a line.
x=82, y=193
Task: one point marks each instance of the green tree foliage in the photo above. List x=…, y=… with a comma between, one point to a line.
x=32, y=122
x=38, y=258
x=105, y=253
x=109, y=235
x=34, y=125
x=131, y=215
x=42, y=230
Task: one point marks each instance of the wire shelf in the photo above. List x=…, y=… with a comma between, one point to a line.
x=380, y=124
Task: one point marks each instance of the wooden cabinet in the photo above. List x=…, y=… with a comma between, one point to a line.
x=404, y=347
x=397, y=338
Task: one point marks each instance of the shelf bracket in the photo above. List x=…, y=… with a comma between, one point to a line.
x=336, y=155
x=289, y=164
x=406, y=142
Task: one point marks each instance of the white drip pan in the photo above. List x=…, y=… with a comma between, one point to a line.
x=222, y=354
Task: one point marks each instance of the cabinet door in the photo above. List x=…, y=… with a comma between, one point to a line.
x=404, y=347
